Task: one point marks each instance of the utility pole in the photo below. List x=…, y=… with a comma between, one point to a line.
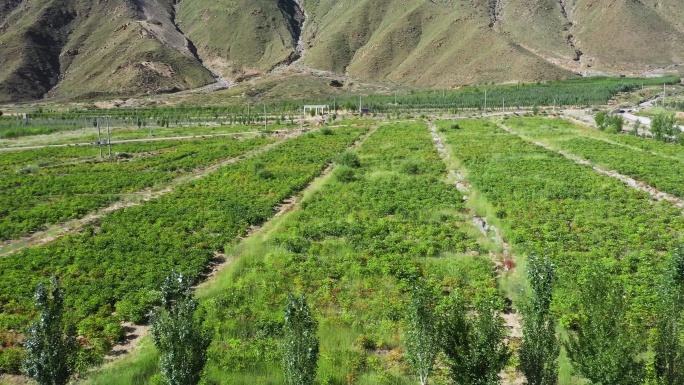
x=301, y=119
x=503, y=107
x=359, y=104
x=99, y=137
x=109, y=139
x=248, y=113
x=265, y=118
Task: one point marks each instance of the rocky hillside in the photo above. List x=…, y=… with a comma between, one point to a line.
x=86, y=48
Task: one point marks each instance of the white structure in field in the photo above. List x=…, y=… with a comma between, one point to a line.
x=322, y=109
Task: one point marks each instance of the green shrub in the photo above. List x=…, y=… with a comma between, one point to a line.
x=265, y=174
x=349, y=159
x=411, y=167
x=600, y=119
x=327, y=131
x=11, y=359
x=366, y=342
x=258, y=166
x=345, y=174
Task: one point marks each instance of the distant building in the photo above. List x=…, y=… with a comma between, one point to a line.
x=320, y=110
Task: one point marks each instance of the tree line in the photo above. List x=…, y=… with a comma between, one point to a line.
x=470, y=338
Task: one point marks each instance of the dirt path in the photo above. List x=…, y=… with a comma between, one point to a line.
x=132, y=335
x=502, y=265
x=134, y=199
x=245, y=133
x=631, y=182
x=463, y=186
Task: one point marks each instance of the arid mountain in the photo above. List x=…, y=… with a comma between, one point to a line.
x=88, y=48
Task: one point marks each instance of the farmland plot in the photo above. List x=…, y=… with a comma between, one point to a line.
x=548, y=204
x=353, y=248
x=118, y=264
x=47, y=186
x=653, y=166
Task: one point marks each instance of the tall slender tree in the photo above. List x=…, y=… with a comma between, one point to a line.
x=421, y=331
x=604, y=347
x=50, y=344
x=300, y=344
x=668, y=361
x=178, y=334
x=473, y=341
x=539, y=348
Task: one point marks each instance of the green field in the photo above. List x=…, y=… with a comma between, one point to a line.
x=354, y=239
x=117, y=264
x=46, y=186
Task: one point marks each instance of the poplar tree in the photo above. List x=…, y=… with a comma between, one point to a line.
x=178, y=334
x=300, y=343
x=473, y=341
x=539, y=348
x=668, y=362
x=50, y=345
x=421, y=331
x=603, y=347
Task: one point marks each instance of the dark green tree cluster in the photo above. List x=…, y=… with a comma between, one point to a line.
x=472, y=339
x=664, y=128
x=667, y=345
x=604, y=347
x=609, y=123
x=50, y=343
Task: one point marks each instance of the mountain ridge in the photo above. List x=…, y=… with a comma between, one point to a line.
x=68, y=49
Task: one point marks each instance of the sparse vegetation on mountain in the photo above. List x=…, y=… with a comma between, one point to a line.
x=75, y=49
